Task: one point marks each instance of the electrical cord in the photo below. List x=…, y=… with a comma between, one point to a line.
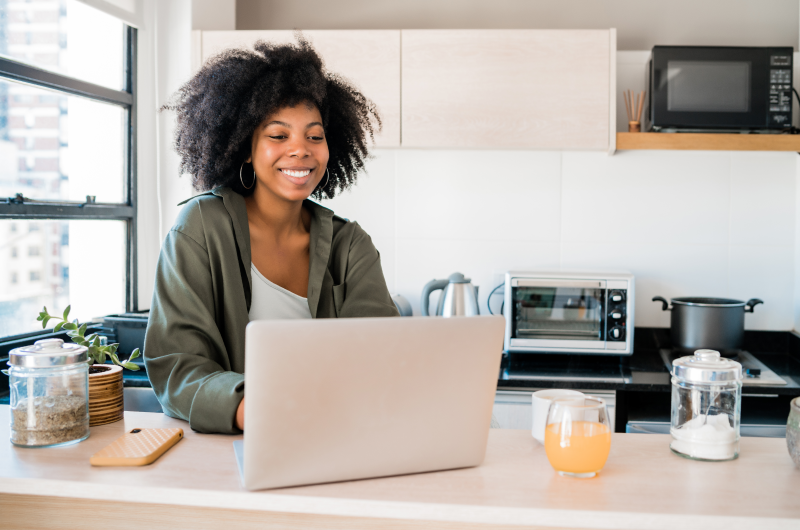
x=489, y=299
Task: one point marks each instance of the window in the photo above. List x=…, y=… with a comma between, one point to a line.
x=67, y=146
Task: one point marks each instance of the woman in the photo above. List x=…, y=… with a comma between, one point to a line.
x=259, y=131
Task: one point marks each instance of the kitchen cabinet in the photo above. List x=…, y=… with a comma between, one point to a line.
x=370, y=59
x=513, y=409
x=524, y=89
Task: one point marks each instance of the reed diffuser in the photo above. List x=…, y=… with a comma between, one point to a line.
x=634, y=109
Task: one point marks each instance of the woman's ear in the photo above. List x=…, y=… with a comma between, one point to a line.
x=249, y=160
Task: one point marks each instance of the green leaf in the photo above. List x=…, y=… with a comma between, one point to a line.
x=113, y=348
x=130, y=366
x=91, y=337
x=115, y=359
x=66, y=312
x=5, y=372
x=82, y=329
x=45, y=321
x=134, y=355
x=70, y=325
x=44, y=310
x=58, y=327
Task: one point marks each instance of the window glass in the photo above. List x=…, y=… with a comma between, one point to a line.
x=78, y=263
x=65, y=36
x=59, y=147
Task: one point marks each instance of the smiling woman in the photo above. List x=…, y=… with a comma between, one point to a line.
x=260, y=131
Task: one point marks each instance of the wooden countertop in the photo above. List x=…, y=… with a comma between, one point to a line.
x=642, y=486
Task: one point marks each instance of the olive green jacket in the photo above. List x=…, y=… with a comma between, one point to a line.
x=194, y=346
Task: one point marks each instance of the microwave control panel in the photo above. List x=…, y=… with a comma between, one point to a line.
x=780, y=90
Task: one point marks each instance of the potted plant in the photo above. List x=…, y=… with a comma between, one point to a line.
x=105, y=380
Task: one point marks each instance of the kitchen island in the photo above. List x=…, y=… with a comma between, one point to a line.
x=196, y=485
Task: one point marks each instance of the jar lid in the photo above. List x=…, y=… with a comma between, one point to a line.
x=48, y=353
x=706, y=366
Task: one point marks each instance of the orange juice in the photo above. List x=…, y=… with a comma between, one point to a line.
x=582, y=448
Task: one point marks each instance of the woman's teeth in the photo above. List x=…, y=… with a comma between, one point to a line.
x=296, y=174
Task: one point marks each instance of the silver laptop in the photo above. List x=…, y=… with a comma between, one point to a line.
x=343, y=399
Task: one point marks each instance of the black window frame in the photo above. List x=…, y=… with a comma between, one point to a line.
x=23, y=208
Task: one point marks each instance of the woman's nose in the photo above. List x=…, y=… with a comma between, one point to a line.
x=297, y=147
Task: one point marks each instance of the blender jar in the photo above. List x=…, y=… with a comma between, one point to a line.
x=49, y=384
x=706, y=406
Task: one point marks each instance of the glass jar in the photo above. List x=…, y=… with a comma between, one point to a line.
x=793, y=431
x=49, y=384
x=706, y=406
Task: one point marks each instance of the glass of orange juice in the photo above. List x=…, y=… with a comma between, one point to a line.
x=577, y=438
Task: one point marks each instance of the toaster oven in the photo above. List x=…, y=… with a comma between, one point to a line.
x=569, y=312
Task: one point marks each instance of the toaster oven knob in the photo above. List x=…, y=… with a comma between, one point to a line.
x=617, y=296
x=616, y=333
x=616, y=315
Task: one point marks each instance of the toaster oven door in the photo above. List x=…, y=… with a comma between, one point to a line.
x=559, y=314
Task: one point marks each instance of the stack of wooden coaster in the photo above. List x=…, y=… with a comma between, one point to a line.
x=105, y=394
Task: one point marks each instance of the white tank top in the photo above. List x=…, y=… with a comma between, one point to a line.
x=273, y=302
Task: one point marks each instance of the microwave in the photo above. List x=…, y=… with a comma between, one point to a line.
x=718, y=88
x=569, y=312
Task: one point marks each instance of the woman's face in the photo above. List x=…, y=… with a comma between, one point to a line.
x=290, y=153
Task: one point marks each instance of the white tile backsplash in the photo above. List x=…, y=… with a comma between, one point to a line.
x=762, y=198
x=686, y=223
x=503, y=195
x=765, y=272
x=669, y=197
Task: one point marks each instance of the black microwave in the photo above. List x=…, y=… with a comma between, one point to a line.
x=713, y=88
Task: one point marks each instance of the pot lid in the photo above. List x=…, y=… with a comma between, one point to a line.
x=48, y=353
x=457, y=277
x=706, y=366
x=708, y=302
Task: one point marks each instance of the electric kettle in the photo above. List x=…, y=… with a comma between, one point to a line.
x=459, y=297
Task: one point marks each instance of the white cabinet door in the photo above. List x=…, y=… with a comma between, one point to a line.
x=514, y=410
x=529, y=89
x=370, y=59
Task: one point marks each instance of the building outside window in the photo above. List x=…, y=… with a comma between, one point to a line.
x=67, y=146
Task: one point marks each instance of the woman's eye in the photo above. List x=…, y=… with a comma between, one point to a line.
x=278, y=137
x=316, y=138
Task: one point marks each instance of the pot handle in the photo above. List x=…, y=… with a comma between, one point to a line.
x=751, y=304
x=664, y=303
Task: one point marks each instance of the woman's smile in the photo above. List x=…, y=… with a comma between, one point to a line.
x=298, y=176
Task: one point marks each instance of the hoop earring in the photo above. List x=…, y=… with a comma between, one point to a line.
x=327, y=173
x=242, y=180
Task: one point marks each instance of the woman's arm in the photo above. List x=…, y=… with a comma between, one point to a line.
x=186, y=357
x=363, y=292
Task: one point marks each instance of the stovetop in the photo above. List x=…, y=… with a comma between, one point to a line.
x=754, y=372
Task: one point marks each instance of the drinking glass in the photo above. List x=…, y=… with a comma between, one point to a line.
x=577, y=438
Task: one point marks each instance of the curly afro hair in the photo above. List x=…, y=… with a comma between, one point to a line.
x=220, y=108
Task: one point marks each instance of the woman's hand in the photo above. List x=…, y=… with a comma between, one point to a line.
x=240, y=415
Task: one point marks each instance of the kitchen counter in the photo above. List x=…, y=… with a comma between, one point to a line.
x=196, y=485
x=645, y=370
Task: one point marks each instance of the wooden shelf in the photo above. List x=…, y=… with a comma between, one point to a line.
x=709, y=141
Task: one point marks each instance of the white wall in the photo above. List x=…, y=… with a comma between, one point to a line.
x=686, y=223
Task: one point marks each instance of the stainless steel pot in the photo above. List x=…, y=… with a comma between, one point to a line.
x=708, y=323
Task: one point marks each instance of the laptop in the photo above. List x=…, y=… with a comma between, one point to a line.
x=343, y=399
